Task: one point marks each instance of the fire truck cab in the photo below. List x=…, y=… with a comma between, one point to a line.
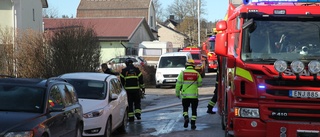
x=200, y=61
x=269, y=69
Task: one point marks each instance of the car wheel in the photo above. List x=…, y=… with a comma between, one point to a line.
x=45, y=135
x=79, y=130
x=124, y=123
x=108, y=128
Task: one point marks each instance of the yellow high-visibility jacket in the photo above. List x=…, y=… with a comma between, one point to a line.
x=187, y=83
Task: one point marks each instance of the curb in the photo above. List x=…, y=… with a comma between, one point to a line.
x=171, y=105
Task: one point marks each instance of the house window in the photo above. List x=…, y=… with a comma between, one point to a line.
x=152, y=52
x=33, y=15
x=151, y=21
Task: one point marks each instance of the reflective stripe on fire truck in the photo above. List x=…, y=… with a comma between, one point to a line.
x=244, y=73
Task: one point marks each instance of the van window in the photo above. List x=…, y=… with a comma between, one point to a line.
x=172, y=62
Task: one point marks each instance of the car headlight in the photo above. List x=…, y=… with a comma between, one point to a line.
x=95, y=113
x=247, y=112
x=314, y=67
x=280, y=65
x=297, y=66
x=19, y=134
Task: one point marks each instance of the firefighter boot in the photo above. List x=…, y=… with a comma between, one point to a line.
x=209, y=110
x=193, y=124
x=186, y=121
x=138, y=116
x=131, y=119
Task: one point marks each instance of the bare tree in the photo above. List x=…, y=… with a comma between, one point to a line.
x=6, y=49
x=74, y=48
x=32, y=55
x=187, y=13
x=178, y=8
x=50, y=12
x=159, y=9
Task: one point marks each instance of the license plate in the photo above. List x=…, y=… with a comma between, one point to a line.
x=304, y=94
x=171, y=80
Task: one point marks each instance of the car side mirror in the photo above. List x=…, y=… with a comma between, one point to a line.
x=114, y=97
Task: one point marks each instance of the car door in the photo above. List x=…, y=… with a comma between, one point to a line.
x=71, y=109
x=114, y=103
x=122, y=98
x=57, y=120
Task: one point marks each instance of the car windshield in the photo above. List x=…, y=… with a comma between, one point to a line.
x=21, y=98
x=265, y=41
x=172, y=62
x=89, y=89
x=196, y=56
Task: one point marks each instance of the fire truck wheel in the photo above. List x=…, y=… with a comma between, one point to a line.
x=226, y=134
x=203, y=74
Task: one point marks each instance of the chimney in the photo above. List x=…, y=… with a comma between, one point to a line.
x=171, y=17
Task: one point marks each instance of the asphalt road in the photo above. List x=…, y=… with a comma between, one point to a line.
x=162, y=115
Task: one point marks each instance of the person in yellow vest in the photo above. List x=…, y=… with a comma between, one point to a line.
x=132, y=80
x=187, y=88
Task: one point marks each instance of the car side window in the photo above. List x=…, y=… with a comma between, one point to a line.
x=119, y=85
x=116, y=88
x=66, y=95
x=55, y=98
x=134, y=60
x=73, y=94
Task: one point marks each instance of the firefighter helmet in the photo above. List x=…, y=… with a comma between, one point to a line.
x=190, y=62
x=128, y=61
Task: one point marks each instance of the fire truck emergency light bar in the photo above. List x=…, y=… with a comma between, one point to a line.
x=302, y=1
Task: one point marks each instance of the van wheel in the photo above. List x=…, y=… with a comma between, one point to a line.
x=203, y=74
x=158, y=86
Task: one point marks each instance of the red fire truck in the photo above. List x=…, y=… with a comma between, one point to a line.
x=199, y=60
x=269, y=71
x=208, y=50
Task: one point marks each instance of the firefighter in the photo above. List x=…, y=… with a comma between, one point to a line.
x=187, y=88
x=132, y=79
x=214, y=98
x=107, y=70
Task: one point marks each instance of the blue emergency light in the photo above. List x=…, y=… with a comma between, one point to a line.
x=303, y=1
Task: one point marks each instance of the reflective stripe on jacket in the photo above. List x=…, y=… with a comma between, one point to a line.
x=131, y=78
x=188, y=82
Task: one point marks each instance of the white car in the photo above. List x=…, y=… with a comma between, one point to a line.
x=104, y=102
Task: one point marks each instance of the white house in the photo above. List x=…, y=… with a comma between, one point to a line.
x=22, y=14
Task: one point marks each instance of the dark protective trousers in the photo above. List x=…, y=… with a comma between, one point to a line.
x=194, y=105
x=134, y=102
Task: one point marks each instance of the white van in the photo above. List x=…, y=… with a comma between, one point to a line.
x=169, y=67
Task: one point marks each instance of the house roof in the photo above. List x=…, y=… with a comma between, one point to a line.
x=174, y=23
x=106, y=28
x=162, y=25
x=44, y=3
x=114, y=4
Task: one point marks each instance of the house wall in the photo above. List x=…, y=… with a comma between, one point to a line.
x=29, y=14
x=178, y=40
x=115, y=49
x=110, y=50
x=140, y=35
x=152, y=17
x=6, y=13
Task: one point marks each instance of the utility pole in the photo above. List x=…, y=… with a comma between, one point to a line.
x=198, y=23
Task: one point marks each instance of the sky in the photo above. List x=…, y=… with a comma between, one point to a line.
x=215, y=9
